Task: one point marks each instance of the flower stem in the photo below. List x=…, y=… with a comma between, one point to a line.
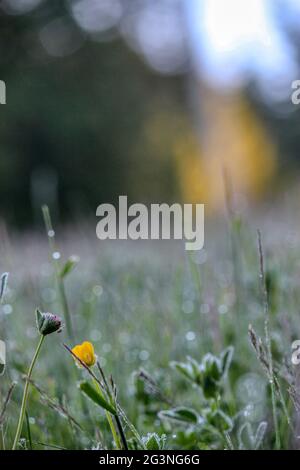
x=110, y=422
x=268, y=340
x=121, y=431
x=25, y=393
x=56, y=265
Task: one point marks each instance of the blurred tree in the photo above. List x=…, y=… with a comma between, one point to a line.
x=97, y=107
x=72, y=131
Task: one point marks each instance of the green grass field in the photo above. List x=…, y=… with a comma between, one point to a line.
x=172, y=330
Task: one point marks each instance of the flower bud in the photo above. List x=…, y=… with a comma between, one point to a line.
x=48, y=323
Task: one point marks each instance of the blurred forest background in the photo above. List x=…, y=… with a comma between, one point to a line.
x=148, y=98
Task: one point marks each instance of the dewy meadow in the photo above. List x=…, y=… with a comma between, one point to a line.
x=185, y=340
x=133, y=316
x=162, y=221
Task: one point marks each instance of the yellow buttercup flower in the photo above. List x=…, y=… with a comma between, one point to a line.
x=85, y=352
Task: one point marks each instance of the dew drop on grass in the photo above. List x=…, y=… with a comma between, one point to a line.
x=97, y=290
x=144, y=355
x=254, y=412
x=190, y=336
x=56, y=255
x=248, y=411
x=95, y=335
x=7, y=309
x=188, y=306
x=51, y=233
x=222, y=309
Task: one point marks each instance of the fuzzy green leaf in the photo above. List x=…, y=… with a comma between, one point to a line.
x=153, y=441
x=181, y=414
x=226, y=358
x=2, y=357
x=69, y=266
x=96, y=397
x=3, y=285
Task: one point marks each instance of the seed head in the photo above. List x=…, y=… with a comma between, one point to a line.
x=48, y=323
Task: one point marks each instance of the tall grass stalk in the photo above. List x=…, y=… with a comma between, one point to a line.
x=113, y=398
x=2, y=415
x=268, y=338
x=3, y=285
x=110, y=420
x=57, y=270
x=234, y=237
x=25, y=393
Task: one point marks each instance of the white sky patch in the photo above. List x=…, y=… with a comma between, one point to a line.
x=233, y=39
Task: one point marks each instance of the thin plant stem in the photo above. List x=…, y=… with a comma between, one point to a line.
x=6, y=402
x=228, y=441
x=2, y=440
x=28, y=430
x=58, y=278
x=117, y=419
x=235, y=246
x=283, y=403
x=121, y=431
x=129, y=424
x=110, y=420
x=268, y=339
x=52, y=446
x=25, y=394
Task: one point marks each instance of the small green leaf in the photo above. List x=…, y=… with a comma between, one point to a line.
x=185, y=369
x=2, y=357
x=220, y=421
x=211, y=367
x=260, y=434
x=196, y=368
x=246, y=437
x=69, y=266
x=3, y=285
x=39, y=319
x=181, y=414
x=210, y=387
x=96, y=397
x=226, y=358
x=153, y=441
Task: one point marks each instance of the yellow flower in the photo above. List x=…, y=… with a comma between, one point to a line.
x=85, y=352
